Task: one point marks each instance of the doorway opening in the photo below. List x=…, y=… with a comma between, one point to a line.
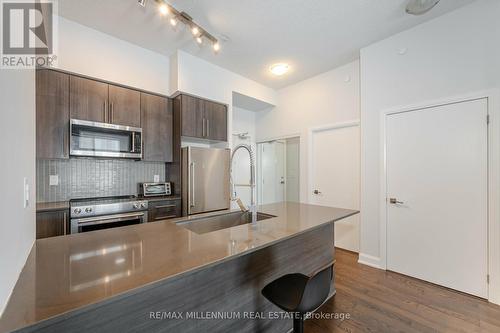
x=278, y=170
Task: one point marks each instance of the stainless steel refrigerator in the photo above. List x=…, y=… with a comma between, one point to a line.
x=205, y=180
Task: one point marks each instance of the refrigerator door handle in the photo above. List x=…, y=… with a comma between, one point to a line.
x=193, y=204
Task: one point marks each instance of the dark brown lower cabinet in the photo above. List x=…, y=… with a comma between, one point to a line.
x=163, y=210
x=51, y=224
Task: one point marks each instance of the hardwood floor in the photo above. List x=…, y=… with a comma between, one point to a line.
x=379, y=301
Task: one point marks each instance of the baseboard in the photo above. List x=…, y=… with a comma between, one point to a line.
x=494, y=291
x=369, y=260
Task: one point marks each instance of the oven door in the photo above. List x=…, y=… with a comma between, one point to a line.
x=109, y=221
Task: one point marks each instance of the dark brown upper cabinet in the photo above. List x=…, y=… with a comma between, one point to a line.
x=124, y=106
x=88, y=99
x=216, y=121
x=101, y=102
x=203, y=119
x=192, y=117
x=52, y=114
x=157, y=128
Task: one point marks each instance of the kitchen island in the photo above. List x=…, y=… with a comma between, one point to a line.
x=151, y=277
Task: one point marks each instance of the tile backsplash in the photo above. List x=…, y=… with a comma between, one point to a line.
x=87, y=178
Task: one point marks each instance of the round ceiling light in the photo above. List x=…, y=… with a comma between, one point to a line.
x=279, y=69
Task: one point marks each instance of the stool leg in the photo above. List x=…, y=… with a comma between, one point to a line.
x=298, y=324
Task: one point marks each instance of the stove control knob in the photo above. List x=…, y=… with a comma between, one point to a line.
x=143, y=205
x=88, y=210
x=137, y=205
x=77, y=211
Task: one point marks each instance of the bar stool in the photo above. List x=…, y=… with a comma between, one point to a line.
x=300, y=294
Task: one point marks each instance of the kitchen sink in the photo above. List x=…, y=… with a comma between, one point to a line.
x=204, y=225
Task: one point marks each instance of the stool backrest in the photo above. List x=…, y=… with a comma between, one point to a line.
x=316, y=290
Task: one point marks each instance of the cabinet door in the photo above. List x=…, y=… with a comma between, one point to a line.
x=192, y=118
x=88, y=99
x=164, y=210
x=216, y=121
x=52, y=114
x=157, y=123
x=124, y=106
x=51, y=224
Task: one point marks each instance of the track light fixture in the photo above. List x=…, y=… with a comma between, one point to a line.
x=175, y=17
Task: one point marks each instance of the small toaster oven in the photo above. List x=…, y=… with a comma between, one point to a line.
x=155, y=189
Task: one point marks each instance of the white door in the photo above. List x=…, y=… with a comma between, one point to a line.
x=335, y=178
x=437, y=164
x=271, y=178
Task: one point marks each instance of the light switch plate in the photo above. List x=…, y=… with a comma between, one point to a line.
x=156, y=178
x=54, y=180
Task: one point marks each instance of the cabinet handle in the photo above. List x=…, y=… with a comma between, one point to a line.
x=65, y=221
x=165, y=217
x=203, y=129
x=208, y=127
x=105, y=111
x=111, y=110
x=165, y=206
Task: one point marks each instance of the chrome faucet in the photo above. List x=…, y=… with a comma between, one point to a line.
x=252, y=185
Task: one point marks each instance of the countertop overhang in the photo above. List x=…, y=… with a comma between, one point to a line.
x=66, y=273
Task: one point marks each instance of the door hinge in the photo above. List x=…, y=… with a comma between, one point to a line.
x=488, y=278
x=487, y=119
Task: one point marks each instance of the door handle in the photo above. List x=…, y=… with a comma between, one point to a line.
x=317, y=192
x=395, y=201
x=193, y=204
x=133, y=143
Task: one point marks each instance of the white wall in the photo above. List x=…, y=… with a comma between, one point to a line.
x=243, y=121
x=17, y=148
x=321, y=100
x=455, y=54
x=89, y=52
x=200, y=78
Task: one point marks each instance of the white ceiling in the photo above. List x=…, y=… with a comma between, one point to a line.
x=313, y=36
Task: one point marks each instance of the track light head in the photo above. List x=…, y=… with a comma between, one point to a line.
x=164, y=10
x=195, y=30
x=216, y=47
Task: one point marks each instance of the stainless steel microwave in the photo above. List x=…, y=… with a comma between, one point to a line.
x=95, y=139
